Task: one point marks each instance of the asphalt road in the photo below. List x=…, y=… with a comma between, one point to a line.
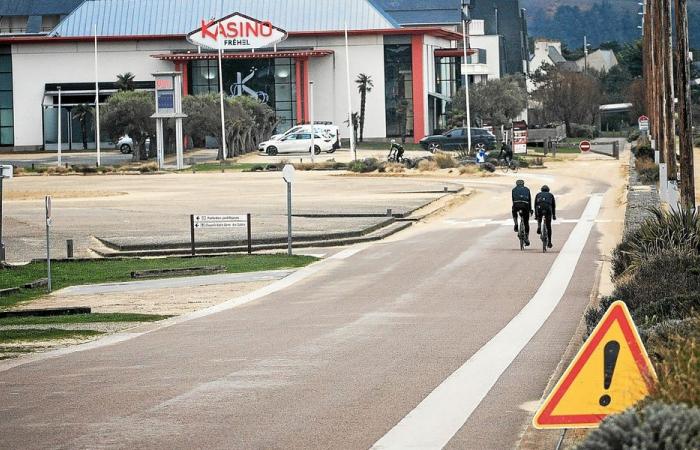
x=368, y=342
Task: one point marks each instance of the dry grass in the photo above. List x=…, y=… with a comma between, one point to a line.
x=679, y=370
x=445, y=160
x=394, y=168
x=468, y=169
x=427, y=166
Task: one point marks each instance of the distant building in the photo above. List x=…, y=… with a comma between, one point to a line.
x=21, y=17
x=601, y=60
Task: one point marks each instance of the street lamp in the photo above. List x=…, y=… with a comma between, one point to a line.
x=466, y=4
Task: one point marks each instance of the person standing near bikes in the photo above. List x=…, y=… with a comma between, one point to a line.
x=545, y=207
x=522, y=203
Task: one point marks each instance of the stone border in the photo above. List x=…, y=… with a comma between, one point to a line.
x=640, y=197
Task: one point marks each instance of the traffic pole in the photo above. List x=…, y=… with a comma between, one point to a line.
x=47, y=205
x=289, y=218
x=250, y=235
x=2, y=243
x=192, y=233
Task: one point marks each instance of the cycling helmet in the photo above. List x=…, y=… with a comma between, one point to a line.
x=393, y=141
x=520, y=182
x=545, y=188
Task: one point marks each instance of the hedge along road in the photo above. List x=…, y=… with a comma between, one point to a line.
x=339, y=358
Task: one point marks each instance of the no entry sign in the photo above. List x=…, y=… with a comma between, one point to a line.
x=584, y=146
x=643, y=122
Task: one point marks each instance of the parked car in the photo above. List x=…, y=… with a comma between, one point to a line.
x=125, y=144
x=456, y=139
x=325, y=129
x=297, y=142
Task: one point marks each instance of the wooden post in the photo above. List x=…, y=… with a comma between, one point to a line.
x=192, y=233
x=685, y=117
x=670, y=131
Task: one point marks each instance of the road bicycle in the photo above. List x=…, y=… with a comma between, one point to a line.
x=508, y=165
x=521, y=231
x=544, y=235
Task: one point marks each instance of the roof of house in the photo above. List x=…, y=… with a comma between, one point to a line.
x=179, y=17
x=603, y=58
x=422, y=12
x=37, y=7
x=554, y=55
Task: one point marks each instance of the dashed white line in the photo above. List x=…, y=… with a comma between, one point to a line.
x=444, y=411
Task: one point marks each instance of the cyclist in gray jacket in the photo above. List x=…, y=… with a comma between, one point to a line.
x=522, y=202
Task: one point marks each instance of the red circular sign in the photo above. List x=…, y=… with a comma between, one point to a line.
x=584, y=146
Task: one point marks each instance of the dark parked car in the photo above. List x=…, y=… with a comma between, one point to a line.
x=456, y=139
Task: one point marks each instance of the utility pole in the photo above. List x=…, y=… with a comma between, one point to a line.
x=466, y=19
x=585, y=54
x=670, y=131
x=685, y=118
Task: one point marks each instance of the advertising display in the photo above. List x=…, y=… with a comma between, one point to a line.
x=519, y=136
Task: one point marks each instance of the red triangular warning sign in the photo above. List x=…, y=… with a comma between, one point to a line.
x=610, y=373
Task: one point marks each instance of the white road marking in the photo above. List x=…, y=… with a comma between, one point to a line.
x=446, y=409
x=348, y=252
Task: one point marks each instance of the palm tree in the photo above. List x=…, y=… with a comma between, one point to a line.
x=82, y=113
x=364, y=85
x=125, y=81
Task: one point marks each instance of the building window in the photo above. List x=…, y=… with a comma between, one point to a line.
x=398, y=79
x=6, y=115
x=270, y=81
x=448, y=75
x=13, y=24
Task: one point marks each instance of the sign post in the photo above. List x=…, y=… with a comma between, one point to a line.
x=169, y=105
x=59, y=127
x=519, y=136
x=288, y=175
x=5, y=172
x=198, y=221
x=47, y=204
x=643, y=122
x=311, y=119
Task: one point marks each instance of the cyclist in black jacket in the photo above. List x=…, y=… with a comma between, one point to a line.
x=522, y=201
x=545, y=207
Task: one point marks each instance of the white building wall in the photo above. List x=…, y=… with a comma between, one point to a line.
x=330, y=81
x=35, y=64
x=490, y=43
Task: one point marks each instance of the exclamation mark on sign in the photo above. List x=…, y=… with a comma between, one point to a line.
x=610, y=352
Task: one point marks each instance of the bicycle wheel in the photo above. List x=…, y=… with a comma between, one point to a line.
x=544, y=236
x=521, y=234
x=504, y=166
x=514, y=166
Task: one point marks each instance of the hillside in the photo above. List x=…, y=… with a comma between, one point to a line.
x=600, y=21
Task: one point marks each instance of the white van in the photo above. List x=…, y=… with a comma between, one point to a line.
x=324, y=128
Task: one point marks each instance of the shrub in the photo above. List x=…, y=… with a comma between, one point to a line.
x=538, y=161
x=644, y=151
x=666, y=273
x=487, y=167
x=57, y=170
x=633, y=135
x=584, y=131
x=647, y=170
x=427, y=165
x=522, y=162
x=364, y=165
x=655, y=426
x=678, y=368
x=675, y=307
x=445, y=160
x=84, y=169
x=493, y=154
x=664, y=230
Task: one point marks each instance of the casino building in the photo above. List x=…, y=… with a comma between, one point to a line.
x=415, y=68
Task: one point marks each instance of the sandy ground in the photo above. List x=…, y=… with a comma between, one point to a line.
x=155, y=301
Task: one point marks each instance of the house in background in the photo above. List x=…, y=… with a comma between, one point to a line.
x=601, y=60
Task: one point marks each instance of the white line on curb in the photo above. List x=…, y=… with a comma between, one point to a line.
x=446, y=409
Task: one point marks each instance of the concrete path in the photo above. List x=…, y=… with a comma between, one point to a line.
x=441, y=336
x=179, y=282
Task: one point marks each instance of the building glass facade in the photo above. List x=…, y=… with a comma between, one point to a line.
x=398, y=84
x=271, y=81
x=6, y=114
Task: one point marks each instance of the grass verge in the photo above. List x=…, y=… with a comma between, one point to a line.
x=71, y=273
x=216, y=167
x=31, y=334
x=82, y=318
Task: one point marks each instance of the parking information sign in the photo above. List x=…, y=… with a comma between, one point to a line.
x=220, y=221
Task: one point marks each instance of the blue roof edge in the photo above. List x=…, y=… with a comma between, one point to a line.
x=384, y=14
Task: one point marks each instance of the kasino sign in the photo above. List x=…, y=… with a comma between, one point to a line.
x=236, y=32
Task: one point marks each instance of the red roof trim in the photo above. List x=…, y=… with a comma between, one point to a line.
x=453, y=51
x=433, y=31
x=247, y=55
